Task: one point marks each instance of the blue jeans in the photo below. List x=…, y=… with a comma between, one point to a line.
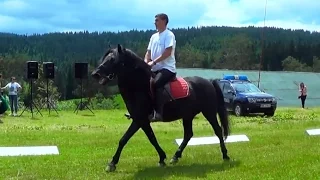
x=13, y=99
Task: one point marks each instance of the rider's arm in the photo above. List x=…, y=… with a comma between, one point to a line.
x=169, y=42
x=147, y=56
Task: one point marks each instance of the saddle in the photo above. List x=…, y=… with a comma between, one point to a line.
x=176, y=88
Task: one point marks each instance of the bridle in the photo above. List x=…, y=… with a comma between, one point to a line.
x=110, y=76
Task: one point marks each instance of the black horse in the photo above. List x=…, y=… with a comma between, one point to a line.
x=188, y=97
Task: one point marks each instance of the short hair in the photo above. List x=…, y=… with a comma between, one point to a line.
x=163, y=16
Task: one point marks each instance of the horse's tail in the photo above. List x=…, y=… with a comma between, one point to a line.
x=222, y=111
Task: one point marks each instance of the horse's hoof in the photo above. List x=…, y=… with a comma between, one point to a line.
x=174, y=160
x=111, y=168
x=226, y=158
x=162, y=164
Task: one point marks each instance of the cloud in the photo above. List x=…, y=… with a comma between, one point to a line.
x=40, y=16
x=294, y=14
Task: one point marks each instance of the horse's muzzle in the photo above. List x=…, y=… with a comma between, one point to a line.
x=96, y=75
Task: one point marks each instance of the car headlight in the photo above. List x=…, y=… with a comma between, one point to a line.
x=273, y=99
x=252, y=100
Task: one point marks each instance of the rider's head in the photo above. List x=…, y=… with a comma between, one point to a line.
x=161, y=21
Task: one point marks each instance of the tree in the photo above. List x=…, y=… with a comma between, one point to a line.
x=292, y=64
x=316, y=64
x=236, y=52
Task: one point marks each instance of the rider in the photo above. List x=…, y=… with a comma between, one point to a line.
x=160, y=56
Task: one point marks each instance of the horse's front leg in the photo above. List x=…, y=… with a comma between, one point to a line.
x=133, y=128
x=153, y=140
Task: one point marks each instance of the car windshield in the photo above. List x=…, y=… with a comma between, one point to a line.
x=246, y=87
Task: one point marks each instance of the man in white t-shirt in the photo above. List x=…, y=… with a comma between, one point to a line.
x=160, y=56
x=1, y=94
x=13, y=88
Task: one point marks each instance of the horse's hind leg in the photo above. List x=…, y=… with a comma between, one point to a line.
x=188, y=133
x=210, y=115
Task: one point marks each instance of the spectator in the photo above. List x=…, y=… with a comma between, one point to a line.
x=1, y=90
x=13, y=88
x=1, y=93
x=303, y=93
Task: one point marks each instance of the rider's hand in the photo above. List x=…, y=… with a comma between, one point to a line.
x=151, y=63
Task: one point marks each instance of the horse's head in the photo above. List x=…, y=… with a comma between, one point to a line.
x=109, y=65
x=115, y=62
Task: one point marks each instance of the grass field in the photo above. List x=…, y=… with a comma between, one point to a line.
x=279, y=148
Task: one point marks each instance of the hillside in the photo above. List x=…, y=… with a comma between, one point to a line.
x=206, y=47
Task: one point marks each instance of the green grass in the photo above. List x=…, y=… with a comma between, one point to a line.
x=279, y=148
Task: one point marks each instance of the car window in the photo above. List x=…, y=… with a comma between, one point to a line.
x=226, y=88
x=246, y=87
x=221, y=85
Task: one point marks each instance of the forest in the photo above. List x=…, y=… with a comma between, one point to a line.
x=197, y=47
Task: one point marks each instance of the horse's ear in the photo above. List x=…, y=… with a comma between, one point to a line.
x=119, y=48
x=109, y=46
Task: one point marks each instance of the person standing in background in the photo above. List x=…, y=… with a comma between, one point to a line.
x=1, y=90
x=303, y=93
x=13, y=88
x=1, y=94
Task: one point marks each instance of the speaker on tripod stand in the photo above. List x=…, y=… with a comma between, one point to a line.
x=48, y=73
x=32, y=73
x=81, y=72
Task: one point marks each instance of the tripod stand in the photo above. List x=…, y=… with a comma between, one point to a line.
x=48, y=102
x=31, y=103
x=82, y=104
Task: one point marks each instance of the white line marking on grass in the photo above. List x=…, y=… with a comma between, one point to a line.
x=313, y=132
x=29, y=150
x=213, y=140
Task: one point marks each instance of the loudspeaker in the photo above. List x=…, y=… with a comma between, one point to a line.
x=32, y=70
x=81, y=70
x=48, y=70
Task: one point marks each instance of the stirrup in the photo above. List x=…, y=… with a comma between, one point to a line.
x=155, y=116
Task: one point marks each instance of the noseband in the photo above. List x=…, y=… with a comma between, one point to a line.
x=110, y=76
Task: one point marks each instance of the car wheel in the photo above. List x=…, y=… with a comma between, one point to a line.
x=238, y=110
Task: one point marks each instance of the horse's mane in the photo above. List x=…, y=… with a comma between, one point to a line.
x=108, y=51
x=138, y=61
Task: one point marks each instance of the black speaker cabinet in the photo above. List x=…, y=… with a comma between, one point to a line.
x=48, y=70
x=32, y=70
x=81, y=70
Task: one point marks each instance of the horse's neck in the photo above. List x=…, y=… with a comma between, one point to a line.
x=135, y=79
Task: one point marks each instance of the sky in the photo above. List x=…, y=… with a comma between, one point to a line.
x=44, y=16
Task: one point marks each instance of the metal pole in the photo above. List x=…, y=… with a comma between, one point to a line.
x=262, y=43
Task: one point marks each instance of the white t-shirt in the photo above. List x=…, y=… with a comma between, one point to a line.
x=13, y=88
x=157, y=45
